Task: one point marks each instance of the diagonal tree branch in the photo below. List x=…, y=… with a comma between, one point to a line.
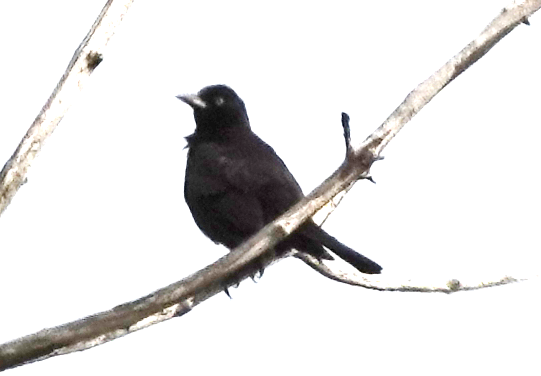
x=182, y=296
x=85, y=59
x=502, y=25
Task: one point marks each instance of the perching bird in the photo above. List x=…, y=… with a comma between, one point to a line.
x=236, y=184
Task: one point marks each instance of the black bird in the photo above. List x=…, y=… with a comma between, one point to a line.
x=235, y=183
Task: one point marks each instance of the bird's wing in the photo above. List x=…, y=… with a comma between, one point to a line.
x=248, y=167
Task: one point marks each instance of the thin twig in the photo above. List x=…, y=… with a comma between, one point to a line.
x=392, y=283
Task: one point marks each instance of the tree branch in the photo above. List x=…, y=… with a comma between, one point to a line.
x=393, y=283
x=85, y=59
x=182, y=296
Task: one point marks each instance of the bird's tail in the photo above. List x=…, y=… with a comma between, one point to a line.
x=360, y=262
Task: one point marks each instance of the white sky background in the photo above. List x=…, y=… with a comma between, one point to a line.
x=102, y=219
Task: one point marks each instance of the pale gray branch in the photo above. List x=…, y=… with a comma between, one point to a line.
x=371, y=148
x=381, y=282
x=503, y=24
x=85, y=59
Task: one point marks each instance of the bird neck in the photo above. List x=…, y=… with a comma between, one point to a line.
x=226, y=134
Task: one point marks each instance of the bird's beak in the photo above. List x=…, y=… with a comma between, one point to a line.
x=193, y=100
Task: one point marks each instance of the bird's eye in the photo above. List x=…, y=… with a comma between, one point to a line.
x=220, y=101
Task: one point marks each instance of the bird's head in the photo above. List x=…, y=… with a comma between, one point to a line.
x=217, y=108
